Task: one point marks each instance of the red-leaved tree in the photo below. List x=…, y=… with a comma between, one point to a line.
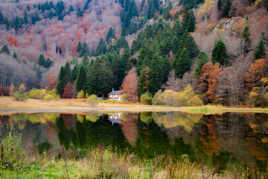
x=68, y=91
x=130, y=84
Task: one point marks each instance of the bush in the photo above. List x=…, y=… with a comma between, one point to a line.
x=172, y=98
x=124, y=98
x=93, y=100
x=37, y=93
x=20, y=96
x=51, y=95
x=146, y=98
x=81, y=94
x=22, y=88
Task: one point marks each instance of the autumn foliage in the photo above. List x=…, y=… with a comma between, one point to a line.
x=208, y=81
x=68, y=91
x=51, y=82
x=129, y=85
x=255, y=73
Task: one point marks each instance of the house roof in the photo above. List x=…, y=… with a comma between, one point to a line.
x=115, y=93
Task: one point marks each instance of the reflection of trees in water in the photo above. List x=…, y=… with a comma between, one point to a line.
x=213, y=140
x=229, y=138
x=89, y=135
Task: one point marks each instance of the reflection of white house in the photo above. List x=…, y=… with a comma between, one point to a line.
x=115, y=95
x=115, y=118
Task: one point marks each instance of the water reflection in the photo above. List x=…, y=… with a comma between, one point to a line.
x=217, y=141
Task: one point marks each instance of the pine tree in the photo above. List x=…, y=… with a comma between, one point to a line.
x=143, y=83
x=110, y=35
x=246, y=36
x=68, y=73
x=189, y=21
x=75, y=73
x=219, y=53
x=202, y=59
x=182, y=62
x=101, y=49
x=60, y=85
x=41, y=60
x=5, y=49
x=159, y=70
x=260, y=50
x=81, y=79
x=189, y=43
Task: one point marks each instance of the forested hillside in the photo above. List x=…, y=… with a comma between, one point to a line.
x=198, y=51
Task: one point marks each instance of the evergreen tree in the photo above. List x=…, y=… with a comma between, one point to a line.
x=182, y=62
x=224, y=7
x=65, y=76
x=99, y=78
x=260, y=50
x=75, y=73
x=246, y=36
x=189, y=21
x=110, y=35
x=81, y=79
x=159, y=70
x=25, y=18
x=41, y=60
x=143, y=83
x=190, y=45
x=67, y=73
x=101, y=49
x=219, y=53
x=85, y=61
x=202, y=59
x=5, y=49
x=61, y=84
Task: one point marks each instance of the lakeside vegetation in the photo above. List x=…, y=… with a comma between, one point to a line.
x=99, y=163
x=92, y=147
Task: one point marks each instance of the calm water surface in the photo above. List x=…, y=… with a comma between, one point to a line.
x=216, y=141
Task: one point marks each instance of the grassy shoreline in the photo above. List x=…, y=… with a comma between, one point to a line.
x=9, y=105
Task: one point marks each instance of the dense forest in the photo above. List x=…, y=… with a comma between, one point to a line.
x=197, y=51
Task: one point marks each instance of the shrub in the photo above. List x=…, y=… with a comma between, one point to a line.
x=146, y=98
x=81, y=94
x=37, y=93
x=51, y=95
x=124, y=98
x=93, y=100
x=172, y=98
x=22, y=88
x=20, y=96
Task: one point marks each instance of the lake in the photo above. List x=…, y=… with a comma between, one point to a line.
x=143, y=145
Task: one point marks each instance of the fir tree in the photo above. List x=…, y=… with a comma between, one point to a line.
x=110, y=35
x=189, y=21
x=5, y=49
x=182, y=62
x=60, y=85
x=260, y=50
x=202, y=59
x=246, y=37
x=219, y=53
x=81, y=79
x=159, y=70
x=101, y=49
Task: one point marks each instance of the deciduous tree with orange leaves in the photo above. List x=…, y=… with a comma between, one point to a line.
x=51, y=82
x=208, y=81
x=255, y=73
x=130, y=84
